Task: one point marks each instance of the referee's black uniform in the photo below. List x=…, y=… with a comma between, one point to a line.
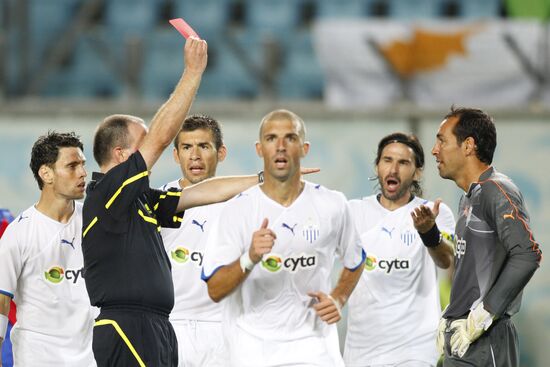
x=126, y=269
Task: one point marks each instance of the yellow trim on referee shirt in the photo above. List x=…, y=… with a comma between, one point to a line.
x=89, y=226
x=123, y=336
x=146, y=218
x=127, y=182
x=170, y=193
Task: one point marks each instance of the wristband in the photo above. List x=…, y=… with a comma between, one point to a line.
x=261, y=176
x=337, y=304
x=432, y=238
x=3, y=326
x=246, y=262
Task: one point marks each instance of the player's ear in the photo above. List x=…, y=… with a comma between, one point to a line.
x=46, y=174
x=176, y=156
x=305, y=149
x=222, y=153
x=259, y=149
x=417, y=174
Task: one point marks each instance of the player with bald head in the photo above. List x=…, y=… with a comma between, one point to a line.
x=271, y=258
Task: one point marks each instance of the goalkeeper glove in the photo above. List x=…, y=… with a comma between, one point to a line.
x=466, y=331
x=440, y=340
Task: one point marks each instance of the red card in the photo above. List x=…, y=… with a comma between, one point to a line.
x=184, y=28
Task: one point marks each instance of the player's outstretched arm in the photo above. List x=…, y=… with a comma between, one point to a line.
x=227, y=278
x=170, y=116
x=439, y=248
x=217, y=189
x=329, y=306
x=214, y=190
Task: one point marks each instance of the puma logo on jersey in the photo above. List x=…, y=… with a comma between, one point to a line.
x=509, y=216
x=291, y=229
x=389, y=232
x=21, y=217
x=201, y=226
x=66, y=242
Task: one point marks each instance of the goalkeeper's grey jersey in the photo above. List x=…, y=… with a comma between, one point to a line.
x=496, y=252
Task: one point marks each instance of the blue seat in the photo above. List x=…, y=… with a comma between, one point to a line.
x=414, y=9
x=47, y=21
x=207, y=17
x=301, y=76
x=129, y=18
x=163, y=63
x=273, y=15
x=476, y=9
x=90, y=74
x=228, y=75
x=343, y=8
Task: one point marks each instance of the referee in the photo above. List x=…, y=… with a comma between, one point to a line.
x=126, y=268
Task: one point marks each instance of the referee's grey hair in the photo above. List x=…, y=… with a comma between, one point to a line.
x=112, y=132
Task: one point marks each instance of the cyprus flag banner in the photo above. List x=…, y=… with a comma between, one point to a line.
x=373, y=63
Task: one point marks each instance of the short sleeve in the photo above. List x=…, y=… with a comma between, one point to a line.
x=445, y=220
x=349, y=245
x=11, y=262
x=164, y=204
x=226, y=242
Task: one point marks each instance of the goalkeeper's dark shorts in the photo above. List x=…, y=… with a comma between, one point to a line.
x=128, y=337
x=498, y=347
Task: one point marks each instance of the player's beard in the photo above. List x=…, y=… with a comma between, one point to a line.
x=404, y=188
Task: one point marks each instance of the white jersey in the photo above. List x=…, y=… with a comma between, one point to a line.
x=185, y=247
x=272, y=304
x=394, y=310
x=41, y=267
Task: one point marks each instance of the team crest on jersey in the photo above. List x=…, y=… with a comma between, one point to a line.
x=408, y=237
x=311, y=231
x=56, y=275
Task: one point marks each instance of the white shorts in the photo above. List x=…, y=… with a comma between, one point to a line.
x=247, y=350
x=200, y=343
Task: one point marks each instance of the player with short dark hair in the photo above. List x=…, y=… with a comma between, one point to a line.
x=496, y=252
x=41, y=262
x=198, y=148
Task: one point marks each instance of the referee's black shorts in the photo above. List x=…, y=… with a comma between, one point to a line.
x=497, y=347
x=126, y=337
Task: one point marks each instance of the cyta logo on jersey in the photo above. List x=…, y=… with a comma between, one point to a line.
x=274, y=263
x=181, y=255
x=387, y=266
x=56, y=274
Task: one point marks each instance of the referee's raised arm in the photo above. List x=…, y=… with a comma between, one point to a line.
x=168, y=120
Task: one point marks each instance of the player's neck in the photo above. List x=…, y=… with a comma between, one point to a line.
x=392, y=205
x=283, y=192
x=471, y=174
x=59, y=209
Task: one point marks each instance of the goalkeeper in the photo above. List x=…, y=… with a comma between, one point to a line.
x=496, y=253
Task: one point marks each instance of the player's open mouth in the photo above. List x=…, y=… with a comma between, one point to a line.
x=280, y=162
x=196, y=169
x=392, y=184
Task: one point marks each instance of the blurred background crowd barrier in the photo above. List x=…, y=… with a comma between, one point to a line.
x=355, y=70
